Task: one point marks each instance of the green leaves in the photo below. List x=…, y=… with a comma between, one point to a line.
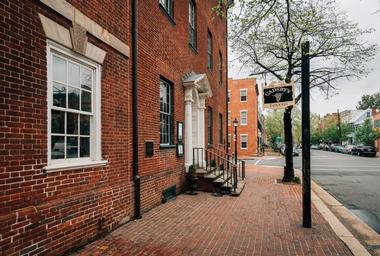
x=366, y=134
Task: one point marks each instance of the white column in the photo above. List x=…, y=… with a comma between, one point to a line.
x=188, y=134
x=201, y=128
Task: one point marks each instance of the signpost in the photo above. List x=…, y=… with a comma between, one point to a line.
x=278, y=95
x=306, y=188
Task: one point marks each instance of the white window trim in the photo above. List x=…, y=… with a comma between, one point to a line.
x=241, y=135
x=245, y=118
x=229, y=118
x=95, y=158
x=246, y=95
x=229, y=98
x=229, y=140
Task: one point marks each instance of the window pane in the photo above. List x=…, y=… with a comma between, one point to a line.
x=59, y=95
x=57, y=121
x=72, y=123
x=84, y=147
x=59, y=69
x=86, y=79
x=73, y=74
x=86, y=101
x=84, y=125
x=57, y=147
x=72, y=147
x=73, y=95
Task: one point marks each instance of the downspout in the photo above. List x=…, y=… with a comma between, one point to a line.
x=227, y=6
x=135, y=163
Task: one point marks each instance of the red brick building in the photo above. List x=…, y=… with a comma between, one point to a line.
x=376, y=123
x=243, y=105
x=66, y=116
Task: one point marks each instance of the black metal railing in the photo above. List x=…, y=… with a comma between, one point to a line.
x=223, y=164
x=240, y=163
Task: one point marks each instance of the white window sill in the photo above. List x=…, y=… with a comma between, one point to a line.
x=74, y=165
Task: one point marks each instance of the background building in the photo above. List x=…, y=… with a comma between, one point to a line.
x=243, y=105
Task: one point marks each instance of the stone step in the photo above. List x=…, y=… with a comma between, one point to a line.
x=205, y=170
x=214, y=174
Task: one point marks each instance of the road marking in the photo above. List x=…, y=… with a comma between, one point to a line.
x=258, y=161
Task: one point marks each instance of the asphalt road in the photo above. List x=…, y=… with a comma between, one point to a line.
x=353, y=180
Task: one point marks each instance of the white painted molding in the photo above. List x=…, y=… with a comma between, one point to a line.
x=74, y=15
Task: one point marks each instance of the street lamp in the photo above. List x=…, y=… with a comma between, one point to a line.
x=236, y=122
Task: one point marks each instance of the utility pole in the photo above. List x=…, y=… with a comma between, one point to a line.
x=306, y=182
x=340, y=129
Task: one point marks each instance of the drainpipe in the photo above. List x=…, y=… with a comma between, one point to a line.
x=135, y=164
x=228, y=5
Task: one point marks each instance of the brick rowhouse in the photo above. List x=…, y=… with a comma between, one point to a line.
x=66, y=113
x=243, y=105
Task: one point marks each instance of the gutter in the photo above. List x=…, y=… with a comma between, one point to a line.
x=135, y=135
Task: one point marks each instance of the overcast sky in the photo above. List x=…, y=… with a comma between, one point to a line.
x=350, y=92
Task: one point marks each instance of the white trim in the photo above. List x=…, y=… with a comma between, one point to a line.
x=241, y=135
x=95, y=158
x=246, y=96
x=229, y=118
x=229, y=98
x=246, y=118
x=74, y=165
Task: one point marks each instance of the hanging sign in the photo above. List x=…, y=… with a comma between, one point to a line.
x=278, y=95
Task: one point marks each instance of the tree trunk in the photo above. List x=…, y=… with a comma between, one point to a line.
x=288, y=169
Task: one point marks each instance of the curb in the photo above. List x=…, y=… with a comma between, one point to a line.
x=323, y=201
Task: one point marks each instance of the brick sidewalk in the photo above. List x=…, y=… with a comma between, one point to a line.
x=265, y=220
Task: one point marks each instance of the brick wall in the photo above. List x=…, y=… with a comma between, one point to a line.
x=50, y=213
x=235, y=106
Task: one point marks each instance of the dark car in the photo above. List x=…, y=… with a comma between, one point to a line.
x=364, y=151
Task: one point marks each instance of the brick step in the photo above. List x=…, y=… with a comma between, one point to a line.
x=239, y=188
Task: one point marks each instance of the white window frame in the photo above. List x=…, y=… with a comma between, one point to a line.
x=246, y=94
x=229, y=118
x=229, y=96
x=229, y=140
x=241, y=140
x=241, y=117
x=95, y=158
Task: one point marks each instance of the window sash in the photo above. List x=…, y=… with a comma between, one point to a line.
x=210, y=121
x=165, y=113
x=220, y=73
x=85, y=139
x=243, y=117
x=209, y=50
x=244, y=141
x=243, y=95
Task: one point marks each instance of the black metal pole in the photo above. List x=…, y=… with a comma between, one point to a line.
x=235, y=145
x=306, y=188
x=135, y=165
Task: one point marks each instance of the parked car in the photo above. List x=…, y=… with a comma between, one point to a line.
x=326, y=147
x=364, y=151
x=339, y=149
x=295, y=152
x=347, y=149
x=283, y=151
x=315, y=146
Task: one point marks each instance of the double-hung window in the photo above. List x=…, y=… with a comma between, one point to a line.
x=243, y=95
x=166, y=123
x=220, y=128
x=168, y=7
x=74, y=109
x=192, y=25
x=220, y=68
x=209, y=50
x=209, y=125
x=229, y=118
x=243, y=141
x=229, y=96
x=229, y=141
x=243, y=117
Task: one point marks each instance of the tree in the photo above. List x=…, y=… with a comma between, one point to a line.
x=273, y=127
x=365, y=133
x=266, y=37
x=369, y=101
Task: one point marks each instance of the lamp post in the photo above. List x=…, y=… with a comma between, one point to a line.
x=236, y=122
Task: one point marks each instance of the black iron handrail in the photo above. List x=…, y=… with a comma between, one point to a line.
x=207, y=159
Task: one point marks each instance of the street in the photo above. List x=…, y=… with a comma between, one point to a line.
x=352, y=180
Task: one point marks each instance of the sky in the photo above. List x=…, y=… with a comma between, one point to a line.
x=350, y=91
